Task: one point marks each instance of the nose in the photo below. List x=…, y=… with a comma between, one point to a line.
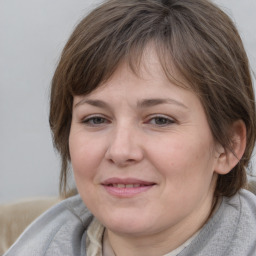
x=124, y=147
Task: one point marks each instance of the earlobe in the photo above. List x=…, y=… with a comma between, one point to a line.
x=227, y=159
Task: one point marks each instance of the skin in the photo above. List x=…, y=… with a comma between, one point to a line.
x=144, y=127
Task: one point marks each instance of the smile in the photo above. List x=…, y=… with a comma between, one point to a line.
x=125, y=188
x=126, y=185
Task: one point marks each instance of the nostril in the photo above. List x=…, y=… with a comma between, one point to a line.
x=111, y=161
x=125, y=155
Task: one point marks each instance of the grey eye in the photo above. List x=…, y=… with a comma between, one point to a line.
x=95, y=120
x=161, y=121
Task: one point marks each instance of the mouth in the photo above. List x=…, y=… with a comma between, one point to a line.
x=121, y=185
x=126, y=187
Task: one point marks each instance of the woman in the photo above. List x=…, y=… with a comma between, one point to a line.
x=152, y=104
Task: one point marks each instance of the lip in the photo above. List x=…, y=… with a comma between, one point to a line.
x=126, y=181
x=141, y=186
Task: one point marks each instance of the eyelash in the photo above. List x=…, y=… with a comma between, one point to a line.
x=100, y=121
x=167, y=120
x=88, y=120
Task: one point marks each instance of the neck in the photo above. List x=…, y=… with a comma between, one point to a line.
x=163, y=242
x=147, y=246
x=156, y=244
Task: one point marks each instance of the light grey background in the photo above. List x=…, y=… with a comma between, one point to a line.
x=33, y=32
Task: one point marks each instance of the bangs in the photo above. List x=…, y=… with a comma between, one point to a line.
x=94, y=60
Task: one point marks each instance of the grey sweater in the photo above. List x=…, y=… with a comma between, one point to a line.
x=61, y=231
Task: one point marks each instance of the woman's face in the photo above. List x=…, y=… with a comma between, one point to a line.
x=143, y=154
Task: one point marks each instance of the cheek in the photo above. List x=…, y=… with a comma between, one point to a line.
x=184, y=159
x=186, y=169
x=173, y=155
x=86, y=154
x=85, y=160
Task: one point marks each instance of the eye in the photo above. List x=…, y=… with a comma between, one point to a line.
x=161, y=121
x=95, y=121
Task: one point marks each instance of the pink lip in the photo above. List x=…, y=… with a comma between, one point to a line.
x=126, y=181
x=126, y=192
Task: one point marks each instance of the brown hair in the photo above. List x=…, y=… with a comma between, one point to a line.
x=195, y=36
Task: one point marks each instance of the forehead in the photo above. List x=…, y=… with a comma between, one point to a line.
x=155, y=57
x=147, y=86
x=152, y=64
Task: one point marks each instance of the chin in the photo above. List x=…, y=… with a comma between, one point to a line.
x=126, y=223
x=128, y=230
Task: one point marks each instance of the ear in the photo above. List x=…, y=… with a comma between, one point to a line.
x=227, y=159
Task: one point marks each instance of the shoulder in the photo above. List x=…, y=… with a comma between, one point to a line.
x=231, y=231
x=244, y=201
x=244, y=204
x=244, y=239
x=57, y=232
x=248, y=201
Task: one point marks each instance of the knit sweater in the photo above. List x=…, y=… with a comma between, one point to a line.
x=62, y=231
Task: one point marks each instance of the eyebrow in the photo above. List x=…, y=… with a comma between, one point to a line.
x=96, y=103
x=145, y=103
